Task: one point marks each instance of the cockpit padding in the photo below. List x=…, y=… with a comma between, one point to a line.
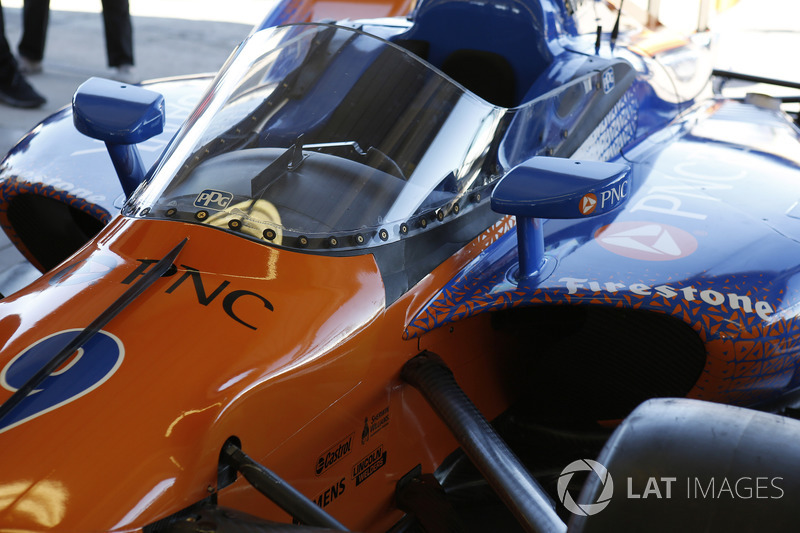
x=511, y=29
x=487, y=74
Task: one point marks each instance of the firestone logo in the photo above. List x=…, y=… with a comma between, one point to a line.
x=586, y=509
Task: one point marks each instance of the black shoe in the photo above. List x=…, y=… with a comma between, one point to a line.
x=19, y=93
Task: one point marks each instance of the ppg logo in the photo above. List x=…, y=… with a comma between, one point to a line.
x=211, y=199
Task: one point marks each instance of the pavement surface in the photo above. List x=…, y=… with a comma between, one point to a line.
x=171, y=37
x=177, y=37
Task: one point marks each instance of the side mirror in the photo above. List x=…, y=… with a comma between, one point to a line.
x=120, y=115
x=553, y=187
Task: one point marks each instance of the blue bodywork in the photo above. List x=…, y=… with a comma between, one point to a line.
x=551, y=187
x=122, y=116
x=708, y=233
x=591, y=239
x=709, y=236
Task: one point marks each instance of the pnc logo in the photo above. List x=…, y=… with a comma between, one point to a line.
x=604, y=200
x=588, y=204
x=647, y=241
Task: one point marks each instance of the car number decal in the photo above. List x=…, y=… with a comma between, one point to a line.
x=84, y=371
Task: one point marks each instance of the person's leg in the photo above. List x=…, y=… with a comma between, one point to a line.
x=35, y=17
x=8, y=66
x=119, y=32
x=14, y=88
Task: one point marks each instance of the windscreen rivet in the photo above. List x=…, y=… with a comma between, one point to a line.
x=171, y=212
x=269, y=234
x=234, y=223
x=383, y=234
x=201, y=215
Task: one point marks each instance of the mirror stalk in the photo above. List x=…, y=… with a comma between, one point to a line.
x=553, y=187
x=121, y=116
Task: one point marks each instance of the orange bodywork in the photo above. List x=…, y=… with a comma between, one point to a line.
x=295, y=355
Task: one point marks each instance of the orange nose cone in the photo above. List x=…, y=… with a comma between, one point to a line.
x=154, y=386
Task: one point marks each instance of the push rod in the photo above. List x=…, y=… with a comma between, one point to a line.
x=504, y=472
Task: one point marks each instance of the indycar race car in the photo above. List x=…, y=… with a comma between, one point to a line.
x=462, y=267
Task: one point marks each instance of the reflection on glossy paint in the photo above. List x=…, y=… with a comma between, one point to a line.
x=234, y=380
x=334, y=331
x=154, y=494
x=43, y=503
x=9, y=327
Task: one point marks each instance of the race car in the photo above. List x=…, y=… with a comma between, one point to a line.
x=460, y=268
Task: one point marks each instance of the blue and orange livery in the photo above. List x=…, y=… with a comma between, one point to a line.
x=380, y=265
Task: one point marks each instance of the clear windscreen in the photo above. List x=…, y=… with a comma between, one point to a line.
x=323, y=137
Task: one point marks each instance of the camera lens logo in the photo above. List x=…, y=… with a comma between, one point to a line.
x=585, y=465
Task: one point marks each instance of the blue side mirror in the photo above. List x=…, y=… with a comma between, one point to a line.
x=120, y=115
x=553, y=187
